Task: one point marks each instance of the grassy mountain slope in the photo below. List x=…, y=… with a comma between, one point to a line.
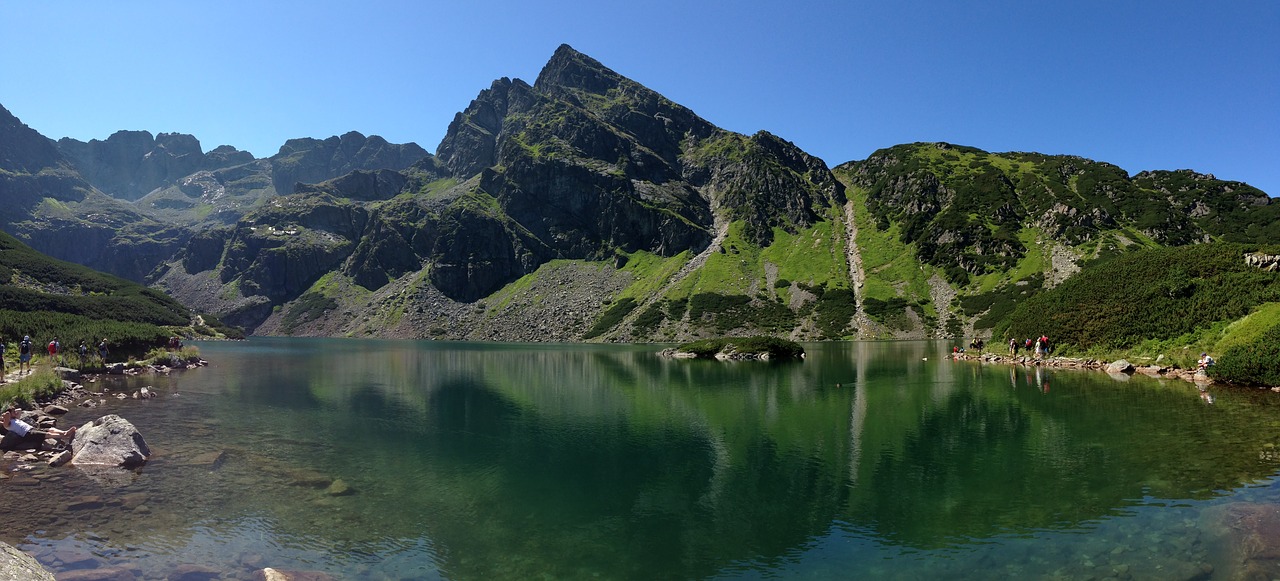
x=1175, y=302
x=44, y=298
x=1001, y=227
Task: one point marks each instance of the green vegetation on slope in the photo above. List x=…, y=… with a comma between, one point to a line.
x=1250, y=351
x=47, y=298
x=966, y=210
x=1185, y=294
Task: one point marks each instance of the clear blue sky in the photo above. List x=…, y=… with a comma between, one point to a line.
x=1143, y=84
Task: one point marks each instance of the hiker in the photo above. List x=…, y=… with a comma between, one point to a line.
x=24, y=353
x=102, y=350
x=17, y=430
x=2, y=367
x=1205, y=362
x=1013, y=347
x=84, y=352
x=53, y=352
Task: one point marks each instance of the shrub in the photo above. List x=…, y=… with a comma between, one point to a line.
x=775, y=347
x=1152, y=294
x=1255, y=363
x=834, y=311
x=611, y=317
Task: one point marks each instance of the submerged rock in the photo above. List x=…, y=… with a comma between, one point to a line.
x=269, y=574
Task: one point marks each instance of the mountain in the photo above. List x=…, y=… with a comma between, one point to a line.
x=131, y=202
x=586, y=206
x=584, y=165
x=129, y=164
x=50, y=206
x=996, y=228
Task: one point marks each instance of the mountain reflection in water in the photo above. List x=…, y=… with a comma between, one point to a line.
x=393, y=460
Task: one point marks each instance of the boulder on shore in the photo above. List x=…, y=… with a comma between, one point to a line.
x=109, y=441
x=1120, y=366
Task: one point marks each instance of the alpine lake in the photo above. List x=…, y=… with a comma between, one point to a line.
x=391, y=460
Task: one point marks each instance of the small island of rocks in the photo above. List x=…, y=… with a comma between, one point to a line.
x=738, y=348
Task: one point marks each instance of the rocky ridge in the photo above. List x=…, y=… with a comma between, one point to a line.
x=714, y=232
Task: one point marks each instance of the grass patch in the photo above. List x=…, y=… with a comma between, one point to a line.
x=42, y=384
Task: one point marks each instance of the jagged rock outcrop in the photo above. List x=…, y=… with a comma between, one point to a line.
x=23, y=149
x=309, y=160
x=1267, y=262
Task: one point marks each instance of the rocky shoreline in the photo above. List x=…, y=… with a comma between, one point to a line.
x=1119, y=367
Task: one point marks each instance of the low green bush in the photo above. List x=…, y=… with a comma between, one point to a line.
x=611, y=317
x=1152, y=294
x=1253, y=363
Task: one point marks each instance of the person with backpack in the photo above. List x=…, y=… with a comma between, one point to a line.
x=84, y=352
x=102, y=351
x=24, y=353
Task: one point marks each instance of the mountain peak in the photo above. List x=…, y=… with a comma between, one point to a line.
x=569, y=69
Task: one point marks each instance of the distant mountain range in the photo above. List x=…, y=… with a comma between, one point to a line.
x=588, y=207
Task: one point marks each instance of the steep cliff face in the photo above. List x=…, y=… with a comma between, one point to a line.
x=590, y=163
x=313, y=160
x=130, y=164
x=49, y=206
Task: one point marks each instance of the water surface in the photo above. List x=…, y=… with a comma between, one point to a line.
x=422, y=460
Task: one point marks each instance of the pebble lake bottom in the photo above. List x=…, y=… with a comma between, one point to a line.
x=389, y=460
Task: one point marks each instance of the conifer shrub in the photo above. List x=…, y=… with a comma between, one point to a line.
x=775, y=347
x=833, y=312
x=1152, y=294
x=611, y=317
x=1256, y=362
x=651, y=317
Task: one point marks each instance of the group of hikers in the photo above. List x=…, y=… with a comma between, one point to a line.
x=1040, y=344
x=57, y=354
x=1042, y=349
